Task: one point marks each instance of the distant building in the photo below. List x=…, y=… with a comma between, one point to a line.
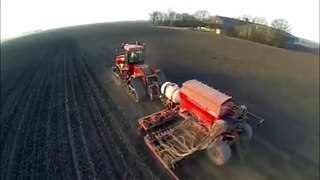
x=266, y=33
x=224, y=24
x=306, y=43
x=249, y=30
x=255, y=32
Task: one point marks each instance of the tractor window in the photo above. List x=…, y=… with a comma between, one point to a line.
x=136, y=57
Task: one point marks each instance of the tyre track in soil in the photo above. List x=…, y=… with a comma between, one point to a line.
x=6, y=99
x=17, y=96
x=98, y=145
x=106, y=135
x=38, y=165
x=125, y=138
x=24, y=161
x=84, y=157
x=98, y=160
x=52, y=154
x=67, y=116
x=37, y=141
x=64, y=159
x=15, y=152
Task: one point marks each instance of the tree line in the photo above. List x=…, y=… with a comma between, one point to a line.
x=172, y=18
x=203, y=18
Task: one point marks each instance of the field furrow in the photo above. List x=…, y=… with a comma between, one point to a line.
x=110, y=147
x=13, y=94
x=38, y=164
x=16, y=100
x=95, y=144
x=52, y=154
x=84, y=156
x=28, y=138
x=22, y=140
x=64, y=157
x=67, y=116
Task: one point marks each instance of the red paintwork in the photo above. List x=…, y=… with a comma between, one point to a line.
x=119, y=59
x=131, y=69
x=205, y=102
x=153, y=118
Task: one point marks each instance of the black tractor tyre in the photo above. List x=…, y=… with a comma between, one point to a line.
x=219, y=152
x=116, y=76
x=161, y=78
x=139, y=92
x=246, y=132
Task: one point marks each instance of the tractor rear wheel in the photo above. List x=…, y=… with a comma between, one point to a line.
x=136, y=90
x=219, y=152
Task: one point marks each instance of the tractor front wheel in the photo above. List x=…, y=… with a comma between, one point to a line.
x=219, y=152
x=116, y=76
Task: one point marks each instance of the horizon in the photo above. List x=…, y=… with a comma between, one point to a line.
x=18, y=18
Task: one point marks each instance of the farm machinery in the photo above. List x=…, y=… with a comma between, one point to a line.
x=196, y=117
x=140, y=79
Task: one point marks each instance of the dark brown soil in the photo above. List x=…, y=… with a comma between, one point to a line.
x=62, y=117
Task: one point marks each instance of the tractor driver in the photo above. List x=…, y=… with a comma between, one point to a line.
x=134, y=57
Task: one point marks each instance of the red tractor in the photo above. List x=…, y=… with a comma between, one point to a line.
x=140, y=79
x=196, y=117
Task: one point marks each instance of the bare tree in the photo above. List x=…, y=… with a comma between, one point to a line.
x=156, y=17
x=178, y=17
x=171, y=17
x=281, y=24
x=187, y=17
x=260, y=20
x=280, y=38
x=202, y=15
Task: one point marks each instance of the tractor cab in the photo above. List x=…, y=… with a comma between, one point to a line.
x=135, y=55
x=131, y=53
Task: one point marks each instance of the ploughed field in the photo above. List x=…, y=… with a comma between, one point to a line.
x=62, y=117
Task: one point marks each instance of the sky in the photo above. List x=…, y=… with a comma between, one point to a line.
x=20, y=16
